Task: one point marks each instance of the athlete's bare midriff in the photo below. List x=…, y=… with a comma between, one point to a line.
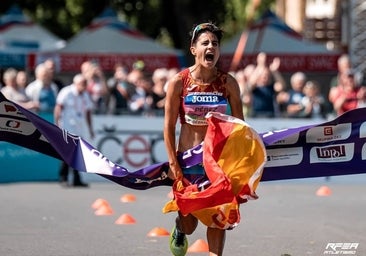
x=191, y=136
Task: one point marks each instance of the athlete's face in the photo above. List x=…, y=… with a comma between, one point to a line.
x=206, y=50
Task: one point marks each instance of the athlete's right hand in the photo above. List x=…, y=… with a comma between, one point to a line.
x=175, y=172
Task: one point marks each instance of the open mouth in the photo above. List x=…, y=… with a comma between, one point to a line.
x=209, y=57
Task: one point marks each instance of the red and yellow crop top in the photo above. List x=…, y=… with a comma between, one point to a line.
x=196, y=101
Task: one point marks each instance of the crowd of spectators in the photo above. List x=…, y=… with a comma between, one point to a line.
x=133, y=91
x=129, y=90
x=265, y=93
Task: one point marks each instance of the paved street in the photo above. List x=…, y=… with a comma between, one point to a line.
x=288, y=219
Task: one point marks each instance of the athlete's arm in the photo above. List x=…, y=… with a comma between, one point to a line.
x=235, y=102
x=172, y=105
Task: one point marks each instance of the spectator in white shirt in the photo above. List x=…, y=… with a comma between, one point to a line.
x=42, y=90
x=73, y=112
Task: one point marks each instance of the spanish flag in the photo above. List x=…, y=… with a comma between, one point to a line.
x=233, y=158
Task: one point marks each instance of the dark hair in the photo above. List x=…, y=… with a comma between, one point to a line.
x=204, y=27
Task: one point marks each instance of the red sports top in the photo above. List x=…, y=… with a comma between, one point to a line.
x=197, y=100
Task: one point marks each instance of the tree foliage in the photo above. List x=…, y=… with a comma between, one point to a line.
x=168, y=21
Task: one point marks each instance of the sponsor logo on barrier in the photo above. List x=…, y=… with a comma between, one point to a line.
x=284, y=156
x=13, y=120
x=163, y=176
x=328, y=131
x=363, y=130
x=67, y=136
x=131, y=149
x=12, y=124
x=292, y=139
x=363, y=152
x=10, y=109
x=16, y=126
x=333, y=153
x=341, y=249
x=324, y=134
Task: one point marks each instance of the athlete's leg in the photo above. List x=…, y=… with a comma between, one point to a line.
x=186, y=224
x=216, y=241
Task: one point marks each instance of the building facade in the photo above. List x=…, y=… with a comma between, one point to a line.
x=341, y=24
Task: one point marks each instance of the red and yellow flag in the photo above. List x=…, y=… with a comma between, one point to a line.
x=233, y=157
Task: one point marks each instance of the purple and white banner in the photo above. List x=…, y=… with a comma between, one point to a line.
x=326, y=149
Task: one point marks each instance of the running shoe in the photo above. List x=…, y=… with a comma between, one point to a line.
x=178, y=242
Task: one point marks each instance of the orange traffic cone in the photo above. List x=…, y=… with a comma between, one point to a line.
x=104, y=210
x=128, y=198
x=199, y=246
x=158, y=232
x=323, y=191
x=125, y=219
x=99, y=202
